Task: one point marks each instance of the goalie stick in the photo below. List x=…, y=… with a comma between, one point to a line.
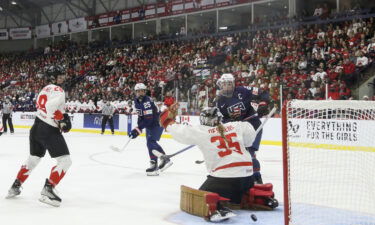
x=117, y=149
x=256, y=132
x=162, y=156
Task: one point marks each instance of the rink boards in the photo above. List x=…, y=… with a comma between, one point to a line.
x=91, y=123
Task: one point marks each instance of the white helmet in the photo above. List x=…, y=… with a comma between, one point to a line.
x=226, y=84
x=226, y=77
x=210, y=116
x=140, y=86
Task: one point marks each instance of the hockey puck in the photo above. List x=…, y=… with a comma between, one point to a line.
x=254, y=217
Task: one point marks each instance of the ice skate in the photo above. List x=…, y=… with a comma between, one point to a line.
x=164, y=164
x=153, y=169
x=14, y=190
x=221, y=215
x=49, y=196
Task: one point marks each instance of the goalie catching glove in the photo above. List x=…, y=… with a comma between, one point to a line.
x=168, y=116
x=65, y=124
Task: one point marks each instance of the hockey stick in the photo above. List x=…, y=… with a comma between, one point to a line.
x=162, y=156
x=117, y=149
x=269, y=115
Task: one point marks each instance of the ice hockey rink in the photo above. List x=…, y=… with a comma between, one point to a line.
x=106, y=187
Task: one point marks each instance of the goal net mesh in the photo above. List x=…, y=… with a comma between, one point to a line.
x=329, y=162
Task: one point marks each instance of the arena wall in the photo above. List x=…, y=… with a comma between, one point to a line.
x=91, y=123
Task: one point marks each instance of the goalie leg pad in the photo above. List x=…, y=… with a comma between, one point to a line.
x=199, y=203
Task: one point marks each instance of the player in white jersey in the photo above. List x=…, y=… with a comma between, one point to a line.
x=46, y=134
x=223, y=147
x=229, y=165
x=91, y=106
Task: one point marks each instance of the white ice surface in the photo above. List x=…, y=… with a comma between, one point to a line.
x=110, y=188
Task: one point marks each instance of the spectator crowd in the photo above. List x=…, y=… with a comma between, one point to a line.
x=303, y=59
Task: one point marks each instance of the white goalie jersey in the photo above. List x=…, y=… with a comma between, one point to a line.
x=51, y=104
x=224, y=157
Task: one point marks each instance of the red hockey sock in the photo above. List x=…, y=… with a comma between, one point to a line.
x=23, y=174
x=56, y=176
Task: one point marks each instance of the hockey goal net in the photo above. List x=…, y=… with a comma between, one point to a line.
x=329, y=162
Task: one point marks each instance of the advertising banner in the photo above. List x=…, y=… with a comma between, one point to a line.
x=207, y=4
x=78, y=24
x=20, y=33
x=43, y=31
x=136, y=14
x=190, y=5
x=107, y=19
x=4, y=34
x=342, y=132
x=177, y=7
x=150, y=11
x=161, y=10
x=125, y=16
x=60, y=28
x=221, y=3
x=95, y=121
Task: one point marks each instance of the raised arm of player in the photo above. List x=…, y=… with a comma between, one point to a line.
x=185, y=134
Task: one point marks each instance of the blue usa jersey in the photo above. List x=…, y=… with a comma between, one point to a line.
x=238, y=107
x=148, y=113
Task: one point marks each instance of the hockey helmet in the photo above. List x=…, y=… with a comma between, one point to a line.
x=226, y=84
x=210, y=116
x=140, y=90
x=140, y=86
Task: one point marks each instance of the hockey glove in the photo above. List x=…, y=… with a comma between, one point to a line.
x=65, y=124
x=262, y=109
x=168, y=116
x=57, y=115
x=134, y=133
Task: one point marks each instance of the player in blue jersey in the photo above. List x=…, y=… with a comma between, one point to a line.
x=235, y=104
x=148, y=118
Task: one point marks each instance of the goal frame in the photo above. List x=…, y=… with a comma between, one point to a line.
x=286, y=154
x=284, y=125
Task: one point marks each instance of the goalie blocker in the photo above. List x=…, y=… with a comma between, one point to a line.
x=213, y=207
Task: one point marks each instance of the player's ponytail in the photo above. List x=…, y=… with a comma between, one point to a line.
x=221, y=130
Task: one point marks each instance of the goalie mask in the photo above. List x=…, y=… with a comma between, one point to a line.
x=210, y=116
x=226, y=84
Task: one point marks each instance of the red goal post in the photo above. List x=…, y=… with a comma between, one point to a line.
x=329, y=162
